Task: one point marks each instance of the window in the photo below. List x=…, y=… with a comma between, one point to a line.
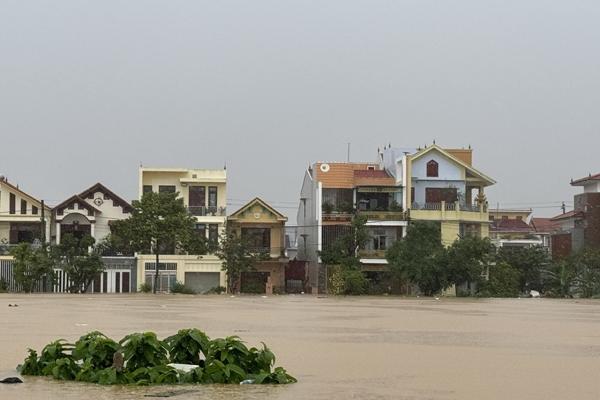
x=23, y=207
x=432, y=169
x=12, y=203
x=201, y=230
x=504, y=217
x=147, y=189
x=519, y=218
x=212, y=196
x=166, y=189
x=259, y=239
x=491, y=217
x=34, y=210
x=213, y=233
x=437, y=195
x=197, y=199
x=379, y=242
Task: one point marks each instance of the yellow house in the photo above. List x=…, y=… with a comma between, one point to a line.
x=23, y=218
x=204, y=193
x=264, y=228
x=441, y=185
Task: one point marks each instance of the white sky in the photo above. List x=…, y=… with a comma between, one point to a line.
x=89, y=89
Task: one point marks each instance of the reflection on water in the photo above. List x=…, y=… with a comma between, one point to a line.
x=47, y=388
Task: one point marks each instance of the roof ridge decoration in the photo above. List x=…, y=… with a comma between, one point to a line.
x=263, y=203
x=117, y=200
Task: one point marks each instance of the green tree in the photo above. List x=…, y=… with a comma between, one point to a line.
x=529, y=262
x=343, y=254
x=30, y=266
x=79, y=258
x=237, y=256
x=587, y=263
x=158, y=223
x=467, y=259
x=420, y=257
x=503, y=281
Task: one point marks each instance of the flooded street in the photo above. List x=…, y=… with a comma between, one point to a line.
x=338, y=348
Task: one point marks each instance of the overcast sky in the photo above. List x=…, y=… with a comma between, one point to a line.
x=89, y=89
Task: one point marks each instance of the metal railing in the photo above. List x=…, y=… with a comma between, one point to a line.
x=201, y=211
x=449, y=206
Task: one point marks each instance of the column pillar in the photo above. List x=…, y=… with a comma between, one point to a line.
x=58, y=233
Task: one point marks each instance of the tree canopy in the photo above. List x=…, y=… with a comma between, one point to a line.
x=159, y=223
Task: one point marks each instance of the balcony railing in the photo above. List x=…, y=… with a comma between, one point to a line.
x=201, y=211
x=367, y=253
x=386, y=215
x=450, y=206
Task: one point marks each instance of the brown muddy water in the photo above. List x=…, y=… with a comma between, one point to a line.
x=338, y=348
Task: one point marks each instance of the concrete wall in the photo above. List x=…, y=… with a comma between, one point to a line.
x=185, y=263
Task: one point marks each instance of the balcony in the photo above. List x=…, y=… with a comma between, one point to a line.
x=450, y=206
x=385, y=215
x=202, y=211
x=452, y=211
x=365, y=253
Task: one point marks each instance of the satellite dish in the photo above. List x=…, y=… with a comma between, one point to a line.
x=325, y=167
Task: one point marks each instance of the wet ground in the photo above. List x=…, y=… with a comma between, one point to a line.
x=338, y=348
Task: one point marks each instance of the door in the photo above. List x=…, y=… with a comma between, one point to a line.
x=197, y=199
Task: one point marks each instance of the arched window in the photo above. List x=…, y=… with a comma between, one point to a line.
x=432, y=168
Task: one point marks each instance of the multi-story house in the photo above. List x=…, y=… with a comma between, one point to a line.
x=510, y=228
x=204, y=193
x=579, y=228
x=91, y=212
x=331, y=194
x=441, y=185
x=263, y=228
x=23, y=218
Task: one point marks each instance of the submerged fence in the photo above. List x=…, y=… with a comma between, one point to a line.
x=119, y=276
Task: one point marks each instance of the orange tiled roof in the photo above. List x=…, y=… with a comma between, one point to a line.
x=350, y=175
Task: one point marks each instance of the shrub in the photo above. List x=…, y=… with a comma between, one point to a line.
x=227, y=360
x=145, y=287
x=179, y=287
x=3, y=286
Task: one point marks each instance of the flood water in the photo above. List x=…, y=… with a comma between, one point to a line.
x=338, y=348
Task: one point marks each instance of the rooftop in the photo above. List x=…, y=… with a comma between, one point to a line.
x=584, y=181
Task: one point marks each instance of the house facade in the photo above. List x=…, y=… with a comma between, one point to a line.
x=331, y=193
x=263, y=227
x=23, y=218
x=511, y=228
x=580, y=227
x=441, y=185
x=92, y=212
x=204, y=193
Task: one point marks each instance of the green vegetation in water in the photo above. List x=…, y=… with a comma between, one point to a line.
x=143, y=359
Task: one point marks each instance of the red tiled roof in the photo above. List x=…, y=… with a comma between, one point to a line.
x=371, y=173
x=587, y=178
x=569, y=214
x=509, y=225
x=544, y=225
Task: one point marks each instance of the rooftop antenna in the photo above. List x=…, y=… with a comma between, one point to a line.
x=348, y=151
x=563, y=207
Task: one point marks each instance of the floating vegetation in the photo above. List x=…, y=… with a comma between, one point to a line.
x=188, y=357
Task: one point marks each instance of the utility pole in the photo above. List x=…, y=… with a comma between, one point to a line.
x=43, y=224
x=348, y=152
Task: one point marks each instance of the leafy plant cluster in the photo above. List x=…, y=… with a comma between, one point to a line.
x=487, y=271
x=80, y=258
x=143, y=359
